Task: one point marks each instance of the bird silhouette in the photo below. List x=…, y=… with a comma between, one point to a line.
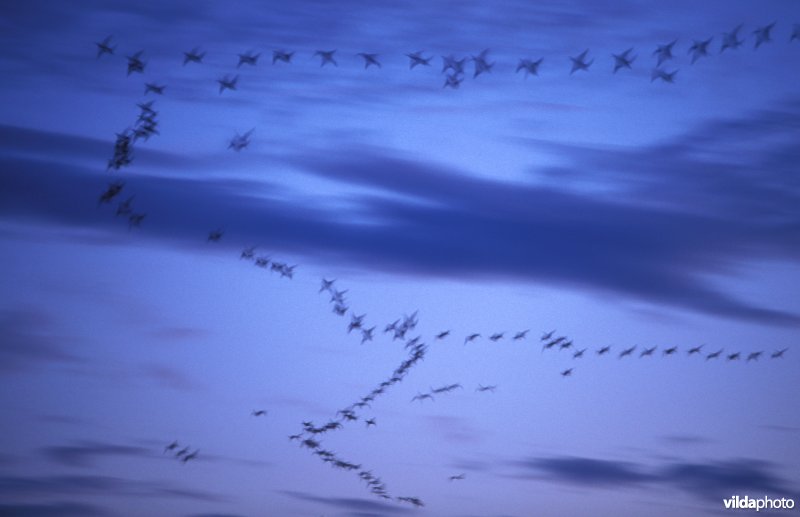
x=579, y=62
x=623, y=60
x=104, y=47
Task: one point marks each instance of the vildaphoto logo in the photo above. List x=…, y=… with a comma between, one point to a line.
x=763, y=503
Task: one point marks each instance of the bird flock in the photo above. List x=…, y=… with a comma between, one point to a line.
x=310, y=435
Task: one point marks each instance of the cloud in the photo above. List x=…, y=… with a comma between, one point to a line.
x=63, y=509
x=680, y=212
x=710, y=480
x=29, y=339
x=45, y=486
x=348, y=503
x=169, y=377
x=84, y=454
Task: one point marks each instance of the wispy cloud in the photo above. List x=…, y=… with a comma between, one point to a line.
x=85, y=454
x=348, y=503
x=30, y=339
x=62, y=509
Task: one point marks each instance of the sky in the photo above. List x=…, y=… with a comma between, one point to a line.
x=598, y=210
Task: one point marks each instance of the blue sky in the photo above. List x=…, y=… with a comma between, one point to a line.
x=615, y=209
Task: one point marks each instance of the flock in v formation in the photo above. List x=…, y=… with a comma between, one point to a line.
x=310, y=434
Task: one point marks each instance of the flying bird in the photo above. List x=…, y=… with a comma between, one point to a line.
x=714, y=355
x=795, y=33
x=248, y=58
x=623, y=60
x=369, y=59
x=283, y=56
x=497, y=336
x=456, y=477
x=326, y=56
x=521, y=335
x=416, y=59
x=104, y=47
x=370, y=422
x=171, y=447
x=239, y=142
x=699, y=49
x=667, y=77
x=453, y=81
x=259, y=412
x=451, y=63
x=135, y=63
x=579, y=62
x=664, y=52
x=579, y=353
x=356, y=322
x=647, y=351
x=443, y=334
x=733, y=357
x=627, y=351
x=227, y=83
x=779, y=353
x=422, y=396
x=471, y=337
x=481, y=63
x=135, y=220
x=763, y=34
x=158, y=89
x=193, y=56
x=326, y=285
x=604, y=350
x=567, y=372
x=547, y=335
x=731, y=39
x=366, y=334
x=190, y=456
x=481, y=388
x=530, y=66
x=671, y=350
x=112, y=191
x=753, y=356
x=695, y=350
x=124, y=207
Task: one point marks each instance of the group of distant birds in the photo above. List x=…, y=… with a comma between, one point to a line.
x=309, y=437
x=455, y=67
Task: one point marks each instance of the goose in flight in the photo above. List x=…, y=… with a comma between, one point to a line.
x=327, y=285
x=112, y=191
x=481, y=63
x=481, y=388
x=451, y=63
x=623, y=60
x=579, y=62
x=193, y=56
x=671, y=350
x=695, y=350
x=547, y=335
x=604, y=350
x=158, y=89
x=369, y=59
x=190, y=456
x=497, y=336
x=104, y=47
x=422, y=396
x=627, y=351
x=731, y=39
x=135, y=220
x=281, y=55
x=567, y=372
x=734, y=357
x=366, y=334
x=579, y=353
x=227, y=83
x=259, y=412
x=356, y=322
x=171, y=447
x=664, y=52
x=714, y=355
x=763, y=34
x=699, y=49
x=647, y=352
x=248, y=58
x=471, y=337
x=326, y=56
x=453, y=81
x=779, y=353
x=135, y=63
x=416, y=59
x=239, y=142
x=456, y=478
x=667, y=77
x=753, y=356
x=530, y=66
x=125, y=207
x=521, y=335
x=443, y=334
x=215, y=235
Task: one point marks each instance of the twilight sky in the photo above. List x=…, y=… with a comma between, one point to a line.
x=616, y=209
